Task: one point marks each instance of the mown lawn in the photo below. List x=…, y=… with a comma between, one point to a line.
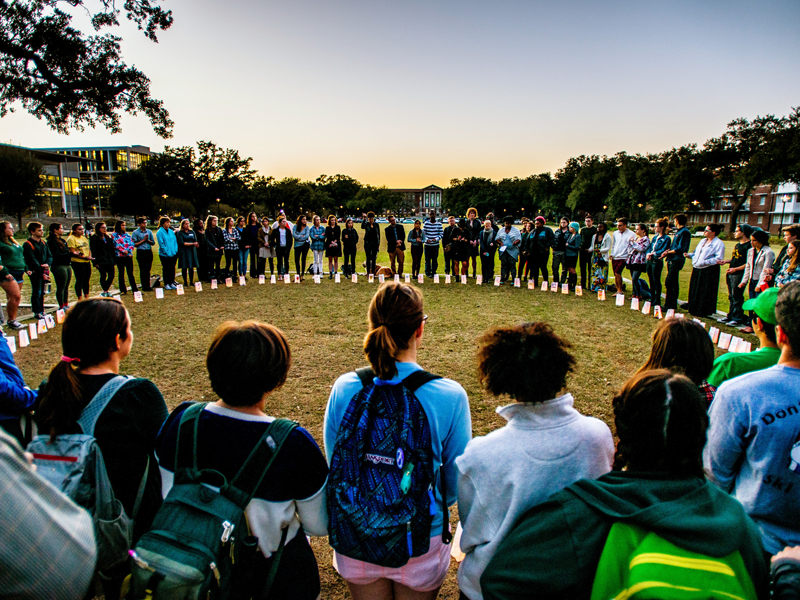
x=325, y=325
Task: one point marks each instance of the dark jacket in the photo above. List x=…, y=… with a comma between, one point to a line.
x=543, y=241
x=372, y=234
x=349, y=238
x=393, y=234
x=333, y=234
x=560, y=238
x=680, y=243
x=214, y=239
x=249, y=237
x=448, y=234
x=61, y=256
x=573, y=247
x=554, y=548
x=104, y=250
x=37, y=254
x=488, y=245
x=475, y=226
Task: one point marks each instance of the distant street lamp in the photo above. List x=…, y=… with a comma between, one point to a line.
x=164, y=204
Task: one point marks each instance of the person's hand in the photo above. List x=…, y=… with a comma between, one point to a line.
x=793, y=553
x=741, y=285
x=723, y=262
x=663, y=254
x=650, y=255
x=768, y=278
x=515, y=242
x=9, y=277
x=45, y=265
x=29, y=273
x=685, y=255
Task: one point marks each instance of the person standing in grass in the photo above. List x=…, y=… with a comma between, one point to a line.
x=78, y=243
x=676, y=259
x=104, y=255
x=620, y=252
x=282, y=241
x=655, y=261
x=215, y=246
x=317, y=235
x=433, y=235
x=249, y=245
x=789, y=271
x=231, y=236
x=448, y=233
x=13, y=259
x=124, y=258
x=601, y=244
x=187, y=252
x=526, y=251
x=349, y=247
x=167, y=252
x=508, y=240
x=144, y=241
x=790, y=234
x=704, y=284
x=291, y=497
x=572, y=253
x=266, y=248
x=395, y=235
x=637, y=261
x=301, y=235
x=587, y=239
x=396, y=329
x=416, y=239
x=488, y=248
x=475, y=226
x=733, y=277
x=543, y=238
x=37, y=260
x=333, y=244
x=372, y=241
x=553, y=445
x=60, y=267
x=559, y=250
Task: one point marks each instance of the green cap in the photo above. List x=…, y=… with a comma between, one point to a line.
x=764, y=305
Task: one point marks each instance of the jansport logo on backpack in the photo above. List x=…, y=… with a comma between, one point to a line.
x=74, y=464
x=199, y=544
x=381, y=482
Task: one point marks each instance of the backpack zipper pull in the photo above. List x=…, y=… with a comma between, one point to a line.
x=232, y=551
x=405, y=482
x=217, y=576
x=408, y=538
x=227, y=529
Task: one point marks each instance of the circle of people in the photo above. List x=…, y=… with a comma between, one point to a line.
x=701, y=479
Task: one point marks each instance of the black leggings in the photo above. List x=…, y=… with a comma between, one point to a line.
x=372, y=255
x=125, y=263
x=350, y=259
x=539, y=263
x=300, y=258
x=106, y=276
x=231, y=262
x=214, y=267
x=190, y=274
x=83, y=273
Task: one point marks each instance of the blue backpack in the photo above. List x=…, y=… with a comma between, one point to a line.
x=381, y=484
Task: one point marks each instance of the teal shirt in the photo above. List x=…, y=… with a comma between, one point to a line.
x=12, y=257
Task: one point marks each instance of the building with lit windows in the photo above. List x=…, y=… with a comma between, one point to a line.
x=421, y=201
x=99, y=168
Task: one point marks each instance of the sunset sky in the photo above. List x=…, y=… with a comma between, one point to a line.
x=410, y=93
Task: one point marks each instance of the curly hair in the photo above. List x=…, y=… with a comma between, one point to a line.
x=661, y=423
x=528, y=362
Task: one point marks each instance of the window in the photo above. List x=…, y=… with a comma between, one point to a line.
x=776, y=219
x=763, y=200
x=760, y=220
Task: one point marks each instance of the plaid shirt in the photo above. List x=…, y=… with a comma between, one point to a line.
x=707, y=392
x=47, y=547
x=231, y=238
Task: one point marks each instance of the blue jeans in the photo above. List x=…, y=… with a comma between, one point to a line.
x=37, y=294
x=243, y=254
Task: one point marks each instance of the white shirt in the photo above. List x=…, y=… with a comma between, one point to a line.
x=708, y=254
x=622, y=244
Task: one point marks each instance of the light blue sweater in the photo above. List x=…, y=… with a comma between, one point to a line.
x=753, y=450
x=447, y=408
x=167, y=242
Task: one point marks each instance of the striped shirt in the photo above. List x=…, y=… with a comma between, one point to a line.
x=433, y=232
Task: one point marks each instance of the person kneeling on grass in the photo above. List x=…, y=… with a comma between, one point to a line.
x=545, y=446
x=656, y=501
x=292, y=494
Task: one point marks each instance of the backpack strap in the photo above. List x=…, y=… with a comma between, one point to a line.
x=247, y=481
x=447, y=537
x=365, y=374
x=186, y=445
x=417, y=379
x=89, y=415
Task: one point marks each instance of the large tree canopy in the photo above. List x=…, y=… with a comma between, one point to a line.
x=71, y=79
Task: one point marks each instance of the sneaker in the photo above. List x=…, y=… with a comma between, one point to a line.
x=40, y=315
x=16, y=325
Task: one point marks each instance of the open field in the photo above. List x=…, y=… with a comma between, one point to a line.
x=325, y=325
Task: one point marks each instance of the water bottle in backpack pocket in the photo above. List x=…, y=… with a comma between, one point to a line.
x=199, y=545
x=380, y=490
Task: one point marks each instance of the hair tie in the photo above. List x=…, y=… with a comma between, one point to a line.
x=67, y=359
x=667, y=408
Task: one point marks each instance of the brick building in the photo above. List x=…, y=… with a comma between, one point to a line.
x=769, y=207
x=421, y=201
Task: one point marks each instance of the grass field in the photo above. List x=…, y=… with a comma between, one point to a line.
x=325, y=325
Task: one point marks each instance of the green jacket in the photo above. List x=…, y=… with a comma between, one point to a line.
x=12, y=257
x=554, y=548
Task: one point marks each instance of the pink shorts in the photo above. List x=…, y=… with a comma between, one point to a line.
x=421, y=574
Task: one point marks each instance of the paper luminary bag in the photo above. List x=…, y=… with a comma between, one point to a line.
x=50, y=321
x=371, y=278
x=214, y=283
x=228, y=282
x=24, y=340
x=137, y=297
x=287, y=278
x=620, y=299
x=12, y=344
x=381, y=278
x=544, y=285
x=497, y=280
x=713, y=333
x=354, y=278
x=420, y=278
x=318, y=279
x=646, y=307
x=397, y=277
x=578, y=290
x=198, y=286
x=734, y=345
x=41, y=326
x=463, y=280
x=436, y=279
x=517, y=282
x=531, y=284
x=724, y=341
x=634, y=303
x=32, y=330
x=657, y=311
x=160, y=292
x=296, y=278
x=554, y=287
x=61, y=315
x=601, y=295
x=337, y=278
x=262, y=279
x=242, y=280
x=179, y=290
x=272, y=279
x=407, y=277
x=447, y=278
x=699, y=322
x=565, y=288
x=479, y=280
x=670, y=313
x=745, y=347
x=679, y=315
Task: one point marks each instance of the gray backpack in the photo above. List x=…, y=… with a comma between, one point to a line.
x=74, y=464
